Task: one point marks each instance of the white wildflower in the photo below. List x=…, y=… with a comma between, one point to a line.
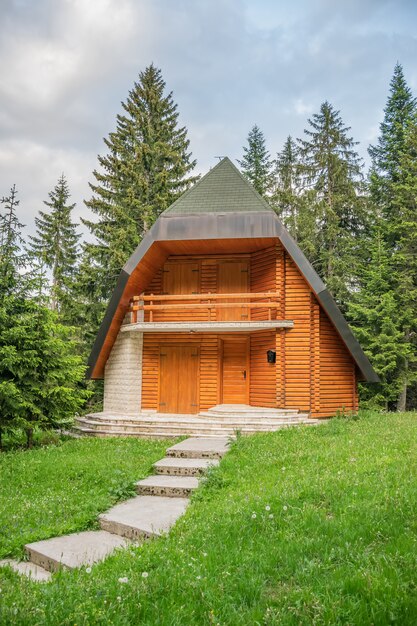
x=145, y=574
x=285, y=507
x=267, y=508
x=253, y=515
x=119, y=598
x=271, y=516
x=88, y=570
x=123, y=580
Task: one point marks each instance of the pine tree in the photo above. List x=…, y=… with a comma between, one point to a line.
x=12, y=259
x=286, y=194
x=56, y=246
x=386, y=154
x=147, y=167
x=40, y=372
x=335, y=201
x=376, y=319
x=403, y=231
x=256, y=163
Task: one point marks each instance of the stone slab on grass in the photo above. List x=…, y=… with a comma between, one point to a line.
x=183, y=467
x=143, y=516
x=76, y=550
x=24, y=568
x=171, y=486
x=200, y=447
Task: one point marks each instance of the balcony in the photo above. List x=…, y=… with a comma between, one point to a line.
x=205, y=312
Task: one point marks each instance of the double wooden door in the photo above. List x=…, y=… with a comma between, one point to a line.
x=235, y=370
x=178, y=379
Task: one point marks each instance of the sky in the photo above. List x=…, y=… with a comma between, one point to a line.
x=66, y=66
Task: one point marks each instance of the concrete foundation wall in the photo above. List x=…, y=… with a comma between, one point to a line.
x=123, y=375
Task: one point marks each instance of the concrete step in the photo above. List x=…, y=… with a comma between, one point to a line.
x=200, y=448
x=76, y=550
x=161, y=432
x=25, y=568
x=170, y=486
x=198, y=422
x=242, y=409
x=143, y=516
x=171, y=466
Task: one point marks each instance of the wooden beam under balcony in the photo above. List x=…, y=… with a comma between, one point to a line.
x=206, y=327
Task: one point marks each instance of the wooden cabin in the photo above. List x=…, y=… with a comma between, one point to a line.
x=218, y=305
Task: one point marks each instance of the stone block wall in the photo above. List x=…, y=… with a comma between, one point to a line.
x=123, y=375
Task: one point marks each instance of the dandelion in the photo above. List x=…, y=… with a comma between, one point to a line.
x=253, y=515
x=285, y=507
x=123, y=580
x=198, y=577
x=271, y=516
x=267, y=508
x=119, y=598
x=88, y=570
x=145, y=574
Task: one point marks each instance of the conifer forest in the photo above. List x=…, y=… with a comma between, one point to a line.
x=356, y=224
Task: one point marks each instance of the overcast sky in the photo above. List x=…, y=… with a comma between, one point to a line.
x=65, y=66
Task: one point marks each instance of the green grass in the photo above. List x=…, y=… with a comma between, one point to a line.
x=340, y=547
x=61, y=489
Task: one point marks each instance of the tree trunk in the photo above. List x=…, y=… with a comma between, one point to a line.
x=402, y=398
x=29, y=438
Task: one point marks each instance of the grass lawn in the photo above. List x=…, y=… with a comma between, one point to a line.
x=304, y=526
x=61, y=489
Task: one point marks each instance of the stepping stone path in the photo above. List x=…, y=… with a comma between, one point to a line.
x=161, y=500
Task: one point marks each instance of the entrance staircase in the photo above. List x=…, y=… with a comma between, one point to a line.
x=161, y=500
x=220, y=420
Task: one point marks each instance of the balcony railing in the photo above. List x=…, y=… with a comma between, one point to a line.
x=208, y=307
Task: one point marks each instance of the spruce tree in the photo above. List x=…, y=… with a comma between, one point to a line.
x=147, y=166
x=392, y=178
x=334, y=199
x=40, y=372
x=403, y=231
x=386, y=154
x=12, y=259
x=56, y=246
x=286, y=194
x=256, y=164
x=377, y=321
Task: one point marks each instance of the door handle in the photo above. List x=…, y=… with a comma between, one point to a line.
x=244, y=374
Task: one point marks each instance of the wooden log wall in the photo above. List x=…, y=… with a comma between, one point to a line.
x=314, y=371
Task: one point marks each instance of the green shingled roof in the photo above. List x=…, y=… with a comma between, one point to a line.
x=222, y=190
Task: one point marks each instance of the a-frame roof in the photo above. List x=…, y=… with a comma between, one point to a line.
x=221, y=207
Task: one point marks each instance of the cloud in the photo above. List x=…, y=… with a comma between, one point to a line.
x=65, y=67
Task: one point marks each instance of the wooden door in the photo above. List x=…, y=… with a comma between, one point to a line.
x=178, y=379
x=233, y=278
x=235, y=370
x=180, y=278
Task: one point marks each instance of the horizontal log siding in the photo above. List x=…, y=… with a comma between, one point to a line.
x=337, y=372
x=209, y=359
x=263, y=278
x=297, y=340
x=263, y=375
